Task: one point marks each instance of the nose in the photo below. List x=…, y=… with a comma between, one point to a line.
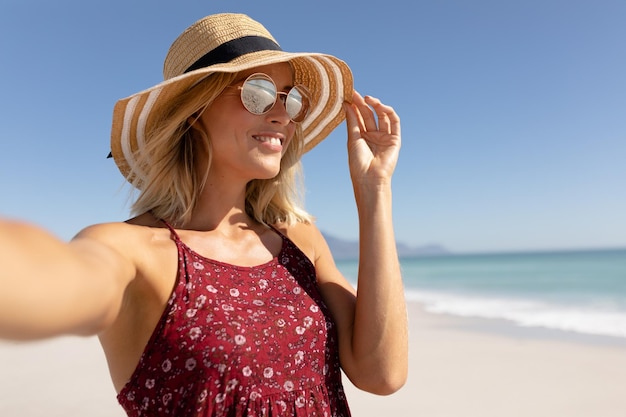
x=278, y=112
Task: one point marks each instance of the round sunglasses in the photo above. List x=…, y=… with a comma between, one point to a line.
x=259, y=95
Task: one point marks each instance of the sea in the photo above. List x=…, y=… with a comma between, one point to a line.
x=581, y=292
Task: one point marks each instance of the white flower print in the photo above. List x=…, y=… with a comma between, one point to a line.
x=300, y=402
x=211, y=288
x=246, y=371
x=220, y=397
x=254, y=395
x=150, y=383
x=194, y=333
x=166, y=398
x=281, y=322
x=234, y=292
x=299, y=357
x=268, y=372
x=198, y=265
x=288, y=385
x=231, y=385
x=282, y=405
x=300, y=330
x=190, y=364
x=166, y=365
x=227, y=307
x=200, y=301
x=314, y=308
x=191, y=312
x=308, y=322
x=297, y=290
x=258, y=303
x=240, y=339
x=203, y=395
x=262, y=284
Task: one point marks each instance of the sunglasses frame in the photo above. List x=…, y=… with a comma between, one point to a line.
x=300, y=89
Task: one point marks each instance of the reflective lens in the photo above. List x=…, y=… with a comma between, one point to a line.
x=258, y=95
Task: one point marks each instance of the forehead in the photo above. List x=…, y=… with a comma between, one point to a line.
x=281, y=73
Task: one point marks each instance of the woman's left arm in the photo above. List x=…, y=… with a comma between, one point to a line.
x=373, y=328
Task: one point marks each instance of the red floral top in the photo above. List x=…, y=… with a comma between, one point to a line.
x=240, y=341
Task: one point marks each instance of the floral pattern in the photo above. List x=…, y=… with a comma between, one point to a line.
x=240, y=341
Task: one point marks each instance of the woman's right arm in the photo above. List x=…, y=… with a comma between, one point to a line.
x=49, y=287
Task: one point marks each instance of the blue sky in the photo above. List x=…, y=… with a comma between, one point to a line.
x=513, y=112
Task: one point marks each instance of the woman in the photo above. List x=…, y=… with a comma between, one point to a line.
x=221, y=296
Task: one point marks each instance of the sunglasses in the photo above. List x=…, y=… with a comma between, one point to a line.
x=259, y=95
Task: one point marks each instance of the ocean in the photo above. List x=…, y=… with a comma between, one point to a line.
x=574, y=291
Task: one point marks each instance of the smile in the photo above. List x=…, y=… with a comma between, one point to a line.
x=272, y=140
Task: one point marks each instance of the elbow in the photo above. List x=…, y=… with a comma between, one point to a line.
x=388, y=386
x=393, y=385
x=383, y=383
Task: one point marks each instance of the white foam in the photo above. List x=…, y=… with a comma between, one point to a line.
x=526, y=312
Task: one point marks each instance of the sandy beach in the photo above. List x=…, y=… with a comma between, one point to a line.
x=459, y=367
x=482, y=368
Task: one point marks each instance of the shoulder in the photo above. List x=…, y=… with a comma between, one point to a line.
x=138, y=228
x=307, y=237
x=134, y=239
x=115, y=234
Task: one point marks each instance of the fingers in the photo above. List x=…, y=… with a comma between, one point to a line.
x=371, y=115
x=367, y=115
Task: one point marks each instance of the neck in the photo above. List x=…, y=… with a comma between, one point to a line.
x=220, y=207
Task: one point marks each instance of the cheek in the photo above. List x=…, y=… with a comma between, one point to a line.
x=219, y=120
x=291, y=139
x=226, y=108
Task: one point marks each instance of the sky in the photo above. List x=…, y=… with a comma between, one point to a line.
x=513, y=112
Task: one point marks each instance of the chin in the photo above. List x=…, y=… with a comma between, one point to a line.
x=267, y=174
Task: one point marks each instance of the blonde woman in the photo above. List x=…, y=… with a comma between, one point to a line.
x=221, y=296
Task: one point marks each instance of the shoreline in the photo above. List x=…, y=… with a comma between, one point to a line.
x=459, y=366
x=509, y=329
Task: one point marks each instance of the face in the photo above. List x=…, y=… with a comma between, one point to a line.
x=247, y=146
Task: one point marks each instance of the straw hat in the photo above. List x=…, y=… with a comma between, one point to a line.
x=228, y=43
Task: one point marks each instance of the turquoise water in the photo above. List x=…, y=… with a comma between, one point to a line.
x=583, y=292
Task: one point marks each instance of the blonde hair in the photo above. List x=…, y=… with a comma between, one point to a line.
x=171, y=185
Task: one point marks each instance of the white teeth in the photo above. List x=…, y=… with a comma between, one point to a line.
x=272, y=140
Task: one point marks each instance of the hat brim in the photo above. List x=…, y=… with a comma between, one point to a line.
x=327, y=78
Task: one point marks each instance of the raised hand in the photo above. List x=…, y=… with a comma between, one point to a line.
x=373, y=140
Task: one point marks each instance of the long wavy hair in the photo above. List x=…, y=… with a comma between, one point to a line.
x=171, y=185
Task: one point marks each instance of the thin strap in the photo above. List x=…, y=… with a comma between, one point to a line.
x=172, y=231
x=276, y=230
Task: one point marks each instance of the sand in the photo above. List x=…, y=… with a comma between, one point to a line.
x=458, y=368
x=464, y=367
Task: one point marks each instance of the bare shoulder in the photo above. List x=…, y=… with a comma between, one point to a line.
x=124, y=235
x=136, y=240
x=107, y=232
x=308, y=238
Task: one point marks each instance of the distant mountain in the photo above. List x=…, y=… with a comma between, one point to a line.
x=349, y=249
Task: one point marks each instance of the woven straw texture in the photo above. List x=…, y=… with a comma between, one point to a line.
x=328, y=80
